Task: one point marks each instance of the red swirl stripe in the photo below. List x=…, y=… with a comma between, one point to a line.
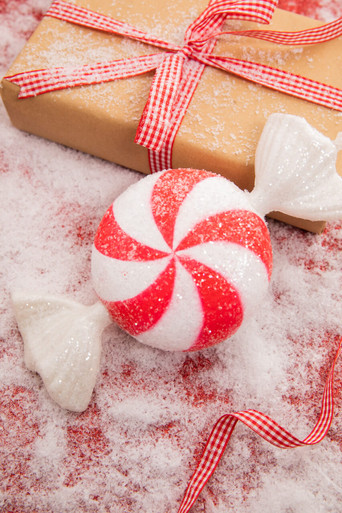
x=237, y=226
x=112, y=241
x=168, y=194
x=138, y=314
x=221, y=304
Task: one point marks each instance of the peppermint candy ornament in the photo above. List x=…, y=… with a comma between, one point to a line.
x=181, y=258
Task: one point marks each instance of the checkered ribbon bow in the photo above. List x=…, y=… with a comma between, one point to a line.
x=265, y=427
x=179, y=68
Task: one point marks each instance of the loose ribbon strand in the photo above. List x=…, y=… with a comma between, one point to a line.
x=265, y=427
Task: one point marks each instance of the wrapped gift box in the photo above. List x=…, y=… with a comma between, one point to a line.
x=222, y=125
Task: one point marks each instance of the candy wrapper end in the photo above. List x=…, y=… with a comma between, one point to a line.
x=295, y=170
x=62, y=342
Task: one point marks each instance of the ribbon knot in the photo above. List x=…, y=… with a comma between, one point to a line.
x=187, y=50
x=161, y=111
x=179, y=68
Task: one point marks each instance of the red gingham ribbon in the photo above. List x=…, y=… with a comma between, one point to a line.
x=179, y=68
x=265, y=427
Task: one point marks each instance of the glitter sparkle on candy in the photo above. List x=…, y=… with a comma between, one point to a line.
x=213, y=256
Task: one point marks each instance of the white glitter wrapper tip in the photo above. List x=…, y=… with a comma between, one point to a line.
x=62, y=343
x=295, y=171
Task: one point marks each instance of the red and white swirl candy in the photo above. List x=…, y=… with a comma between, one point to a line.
x=180, y=259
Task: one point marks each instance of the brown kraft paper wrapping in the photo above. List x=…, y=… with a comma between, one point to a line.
x=223, y=123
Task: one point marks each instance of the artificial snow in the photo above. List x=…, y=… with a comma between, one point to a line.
x=136, y=446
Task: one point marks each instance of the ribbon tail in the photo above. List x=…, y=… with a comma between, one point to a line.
x=155, y=123
x=36, y=82
x=311, y=36
x=265, y=427
x=277, y=79
x=211, y=456
x=78, y=15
